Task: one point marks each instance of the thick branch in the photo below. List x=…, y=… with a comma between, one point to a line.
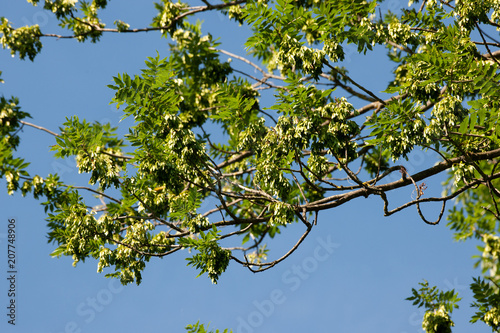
x=235, y=159
x=339, y=199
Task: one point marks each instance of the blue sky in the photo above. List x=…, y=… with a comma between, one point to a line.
x=351, y=275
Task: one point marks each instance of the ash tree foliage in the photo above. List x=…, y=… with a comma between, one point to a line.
x=324, y=140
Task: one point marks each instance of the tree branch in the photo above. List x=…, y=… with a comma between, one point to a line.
x=191, y=11
x=337, y=200
x=38, y=127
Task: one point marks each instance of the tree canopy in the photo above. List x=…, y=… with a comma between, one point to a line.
x=203, y=131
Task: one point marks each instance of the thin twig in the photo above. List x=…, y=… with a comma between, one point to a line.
x=38, y=127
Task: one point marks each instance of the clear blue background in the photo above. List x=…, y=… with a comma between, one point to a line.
x=359, y=287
